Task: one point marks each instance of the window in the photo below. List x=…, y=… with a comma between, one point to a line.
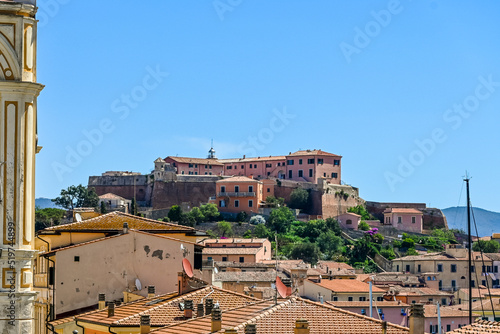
x=222, y=204
x=301, y=173
x=289, y=174
x=483, y=282
x=443, y=301
x=206, y=173
x=268, y=173
x=236, y=189
x=77, y=259
x=335, y=175
x=224, y=258
x=362, y=299
x=336, y=162
x=448, y=327
x=349, y=299
x=289, y=162
x=453, y=284
x=320, y=161
x=430, y=300
x=379, y=299
x=363, y=311
x=472, y=269
x=210, y=167
x=223, y=189
x=440, y=268
x=387, y=220
x=195, y=173
x=310, y=172
x=190, y=165
x=419, y=268
x=324, y=174
x=483, y=269
x=190, y=173
x=397, y=268
x=310, y=161
x=195, y=165
x=300, y=161
x=488, y=269
x=440, y=285
x=453, y=268
x=250, y=189
x=236, y=203
x=250, y=203
x=229, y=167
x=407, y=268
x=254, y=166
x=400, y=220
x=495, y=269
x=268, y=166
x=242, y=259
x=268, y=190
x=335, y=299
x=473, y=284
x=413, y=220
x=206, y=166
x=250, y=165
x=182, y=172
x=348, y=222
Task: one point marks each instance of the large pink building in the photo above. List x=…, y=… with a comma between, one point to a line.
x=404, y=219
x=302, y=166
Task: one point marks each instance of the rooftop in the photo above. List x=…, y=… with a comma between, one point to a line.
x=313, y=152
x=403, y=210
x=378, y=304
x=253, y=159
x=238, y=179
x=113, y=222
x=479, y=327
x=247, y=276
x=111, y=196
x=231, y=250
x=235, y=241
x=199, y=161
x=346, y=285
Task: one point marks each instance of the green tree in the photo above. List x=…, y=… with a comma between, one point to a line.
x=333, y=225
x=261, y=231
x=77, y=197
x=314, y=228
x=329, y=242
x=487, y=246
x=242, y=216
x=274, y=202
x=197, y=215
x=308, y=252
x=408, y=243
x=363, y=226
x=280, y=219
x=361, y=210
x=175, y=213
x=225, y=228
x=103, y=207
x=210, y=212
x=48, y=217
x=299, y=199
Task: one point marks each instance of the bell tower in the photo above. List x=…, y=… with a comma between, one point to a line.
x=18, y=146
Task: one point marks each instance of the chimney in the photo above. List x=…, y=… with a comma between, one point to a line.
x=417, y=319
x=111, y=309
x=188, y=309
x=151, y=291
x=102, y=301
x=216, y=320
x=125, y=228
x=180, y=283
x=250, y=329
x=209, y=305
x=145, y=324
x=384, y=327
x=301, y=326
x=288, y=283
x=199, y=310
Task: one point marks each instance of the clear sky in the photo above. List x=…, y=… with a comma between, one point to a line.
x=408, y=92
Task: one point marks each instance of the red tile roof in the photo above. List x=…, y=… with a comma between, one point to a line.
x=281, y=318
x=347, y=285
x=313, y=152
x=403, y=210
x=479, y=327
x=257, y=159
x=199, y=161
x=238, y=179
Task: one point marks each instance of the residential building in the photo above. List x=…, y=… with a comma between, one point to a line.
x=236, y=250
x=237, y=194
x=404, y=219
x=395, y=312
x=259, y=167
x=195, y=166
x=450, y=267
x=479, y=293
x=349, y=220
x=114, y=202
x=311, y=165
x=478, y=327
x=19, y=144
x=339, y=290
x=451, y=318
x=237, y=281
x=385, y=280
x=423, y=295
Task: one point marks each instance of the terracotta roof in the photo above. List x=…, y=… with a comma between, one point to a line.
x=238, y=179
x=253, y=159
x=247, y=276
x=403, y=210
x=441, y=256
x=199, y=161
x=334, y=265
x=414, y=291
x=378, y=304
x=234, y=240
x=166, y=310
x=481, y=292
x=430, y=311
x=111, y=196
x=281, y=318
x=346, y=285
x=313, y=152
x=113, y=221
x=479, y=327
x=380, y=278
x=231, y=250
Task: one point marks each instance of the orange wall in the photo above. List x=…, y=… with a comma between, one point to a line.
x=243, y=201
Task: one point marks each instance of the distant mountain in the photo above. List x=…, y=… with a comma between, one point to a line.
x=487, y=222
x=44, y=203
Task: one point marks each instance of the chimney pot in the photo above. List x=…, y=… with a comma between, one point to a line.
x=151, y=291
x=199, y=310
x=301, y=326
x=111, y=309
x=250, y=329
x=209, y=305
x=417, y=319
x=145, y=324
x=188, y=309
x=102, y=301
x=216, y=320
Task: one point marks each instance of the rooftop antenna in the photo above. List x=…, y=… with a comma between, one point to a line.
x=469, y=241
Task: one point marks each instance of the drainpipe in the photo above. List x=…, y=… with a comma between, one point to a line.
x=53, y=308
x=439, y=317
x=76, y=323
x=371, y=299
x=109, y=330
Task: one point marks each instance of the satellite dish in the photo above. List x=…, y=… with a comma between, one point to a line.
x=188, y=269
x=216, y=270
x=78, y=217
x=182, y=247
x=138, y=284
x=281, y=287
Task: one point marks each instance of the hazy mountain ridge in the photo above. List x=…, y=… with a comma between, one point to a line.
x=487, y=222
x=44, y=203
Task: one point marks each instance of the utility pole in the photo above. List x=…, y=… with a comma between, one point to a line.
x=469, y=240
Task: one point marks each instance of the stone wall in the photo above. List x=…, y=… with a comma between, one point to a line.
x=125, y=186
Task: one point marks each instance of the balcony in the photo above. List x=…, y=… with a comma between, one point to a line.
x=236, y=194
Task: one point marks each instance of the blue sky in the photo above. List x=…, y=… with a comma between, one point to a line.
x=408, y=92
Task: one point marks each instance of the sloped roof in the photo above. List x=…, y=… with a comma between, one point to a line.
x=379, y=304
x=430, y=311
x=253, y=159
x=238, y=179
x=113, y=222
x=247, y=276
x=313, y=152
x=234, y=240
x=479, y=327
x=166, y=311
x=281, y=318
x=403, y=211
x=199, y=161
x=346, y=285
x=111, y=196
x=231, y=250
